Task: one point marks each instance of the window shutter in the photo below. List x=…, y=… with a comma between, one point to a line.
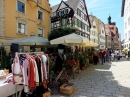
x=66, y=11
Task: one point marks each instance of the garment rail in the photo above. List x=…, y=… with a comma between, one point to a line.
x=30, y=52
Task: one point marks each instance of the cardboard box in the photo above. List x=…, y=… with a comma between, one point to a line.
x=67, y=88
x=47, y=94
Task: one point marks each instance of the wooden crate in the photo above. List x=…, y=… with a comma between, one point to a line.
x=65, y=90
x=47, y=94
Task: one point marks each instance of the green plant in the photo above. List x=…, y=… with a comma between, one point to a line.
x=51, y=67
x=82, y=60
x=59, y=32
x=4, y=59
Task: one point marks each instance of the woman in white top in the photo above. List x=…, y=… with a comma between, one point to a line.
x=112, y=56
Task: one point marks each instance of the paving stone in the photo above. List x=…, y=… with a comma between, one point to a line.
x=118, y=95
x=106, y=93
x=116, y=89
x=85, y=94
x=119, y=92
x=111, y=91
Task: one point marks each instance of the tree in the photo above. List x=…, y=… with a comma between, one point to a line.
x=4, y=59
x=59, y=32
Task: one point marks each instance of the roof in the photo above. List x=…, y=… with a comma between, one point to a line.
x=122, y=9
x=71, y=3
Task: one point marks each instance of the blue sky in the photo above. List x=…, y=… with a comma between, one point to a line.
x=102, y=9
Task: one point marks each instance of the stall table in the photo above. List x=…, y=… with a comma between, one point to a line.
x=8, y=89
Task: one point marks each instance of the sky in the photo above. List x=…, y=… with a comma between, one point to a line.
x=102, y=9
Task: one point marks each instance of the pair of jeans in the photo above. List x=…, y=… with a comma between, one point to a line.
x=107, y=57
x=103, y=60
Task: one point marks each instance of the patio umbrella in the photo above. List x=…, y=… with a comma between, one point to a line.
x=71, y=40
x=91, y=44
x=29, y=41
x=125, y=48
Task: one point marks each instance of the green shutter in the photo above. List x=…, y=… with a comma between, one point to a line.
x=66, y=11
x=63, y=12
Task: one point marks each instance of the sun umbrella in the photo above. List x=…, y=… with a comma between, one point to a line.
x=91, y=44
x=125, y=48
x=29, y=41
x=70, y=40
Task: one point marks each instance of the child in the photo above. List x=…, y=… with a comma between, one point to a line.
x=112, y=56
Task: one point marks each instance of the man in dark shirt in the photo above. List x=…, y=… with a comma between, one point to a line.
x=103, y=54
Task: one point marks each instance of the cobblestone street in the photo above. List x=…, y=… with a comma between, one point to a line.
x=108, y=80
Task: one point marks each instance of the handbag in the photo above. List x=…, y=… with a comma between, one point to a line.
x=17, y=71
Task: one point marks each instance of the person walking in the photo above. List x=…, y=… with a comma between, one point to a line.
x=95, y=57
x=107, y=55
x=103, y=54
x=112, y=56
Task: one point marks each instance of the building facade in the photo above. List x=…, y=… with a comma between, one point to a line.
x=115, y=35
x=112, y=35
x=72, y=13
x=119, y=39
x=125, y=12
x=108, y=36
x=21, y=18
x=101, y=35
x=94, y=29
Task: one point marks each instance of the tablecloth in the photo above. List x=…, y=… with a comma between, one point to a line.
x=7, y=89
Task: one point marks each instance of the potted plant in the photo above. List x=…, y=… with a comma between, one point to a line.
x=82, y=61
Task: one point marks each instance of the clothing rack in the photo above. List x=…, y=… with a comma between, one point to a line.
x=30, y=52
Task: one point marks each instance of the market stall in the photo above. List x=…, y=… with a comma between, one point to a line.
x=30, y=73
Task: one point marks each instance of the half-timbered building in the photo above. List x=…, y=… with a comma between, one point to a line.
x=71, y=13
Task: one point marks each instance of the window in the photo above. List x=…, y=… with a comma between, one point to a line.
x=75, y=21
x=66, y=11
x=21, y=28
x=40, y=32
x=62, y=12
x=129, y=21
x=102, y=31
x=94, y=26
x=21, y=7
x=85, y=17
x=38, y=1
x=88, y=29
x=125, y=25
x=78, y=12
x=129, y=35
x=57, y=13
x=40, y=15
x=126, y=36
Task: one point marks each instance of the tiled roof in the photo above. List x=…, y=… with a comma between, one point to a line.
x=71, y=3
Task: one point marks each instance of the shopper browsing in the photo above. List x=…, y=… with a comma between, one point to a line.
x=112, y=56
